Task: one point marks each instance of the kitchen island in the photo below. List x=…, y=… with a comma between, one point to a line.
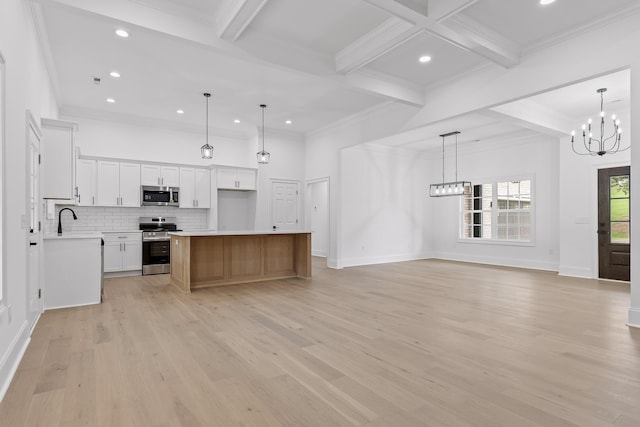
x=212, y=258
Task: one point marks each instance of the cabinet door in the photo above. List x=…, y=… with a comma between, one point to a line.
x=187, y=188
x=112, y=256
x=58, y=178
x=150, y=175
x=203, y=188
x=132, y=254
x=170, y=176
x=130, y=184
x=108, y=188
x=227, y=178
x=246, y=179
x=86, y=182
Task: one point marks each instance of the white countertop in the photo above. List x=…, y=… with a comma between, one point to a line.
x=120, y=231
x=68, y=236
x=201, y=233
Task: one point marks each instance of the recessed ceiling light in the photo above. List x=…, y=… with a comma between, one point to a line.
x=546, y=2
x=424, y=59
x=288, y=122
x=236, y=121
x=122, y=33
x=180, y=111
x=114, y=74
x=111, y=100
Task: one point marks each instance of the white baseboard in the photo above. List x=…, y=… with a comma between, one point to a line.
x=11, y=360
x=353, y=262
x=319, y=253
x=571, y=271
x=500, y=261
x=122, y=274
x=634, y=317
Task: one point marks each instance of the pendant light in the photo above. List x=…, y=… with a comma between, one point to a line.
x=206, y=149
x=455, y=188
x=263, y=156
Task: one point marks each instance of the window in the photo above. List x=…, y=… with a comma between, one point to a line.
x=498, y=211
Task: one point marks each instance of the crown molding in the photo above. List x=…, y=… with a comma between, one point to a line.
x=576, y=32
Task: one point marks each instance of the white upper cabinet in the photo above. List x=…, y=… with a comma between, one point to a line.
x=86, y=177
x=118, y=184
x=130, y=184
x=167, y=176
x=58, y=159
x=236, y=179
x=195, y=188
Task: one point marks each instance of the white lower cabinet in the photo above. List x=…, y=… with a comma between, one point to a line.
x=122, y=252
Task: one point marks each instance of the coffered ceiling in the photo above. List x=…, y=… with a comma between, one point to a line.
x=312, y=62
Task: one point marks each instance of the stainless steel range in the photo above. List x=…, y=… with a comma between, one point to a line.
x=156, y=244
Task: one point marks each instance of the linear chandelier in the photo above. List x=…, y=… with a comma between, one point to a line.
x=455, y=188
x=605, y=144
x=207, y=150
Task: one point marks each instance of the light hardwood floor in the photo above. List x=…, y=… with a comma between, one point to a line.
x=406, y=344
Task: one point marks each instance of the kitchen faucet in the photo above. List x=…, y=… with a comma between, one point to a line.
x=59, y=219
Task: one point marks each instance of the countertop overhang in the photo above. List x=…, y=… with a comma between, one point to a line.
x=70, y=236
x=204, y=233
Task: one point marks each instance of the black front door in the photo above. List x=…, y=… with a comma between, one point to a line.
x=614, y=227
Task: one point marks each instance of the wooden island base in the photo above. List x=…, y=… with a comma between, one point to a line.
x=199, y=261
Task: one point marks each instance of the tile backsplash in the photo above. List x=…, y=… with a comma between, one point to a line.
x=112, y=218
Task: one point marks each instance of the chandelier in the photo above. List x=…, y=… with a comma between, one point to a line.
x=594, y=146
x=263, y=156
x=207, y=150
x=455, y=188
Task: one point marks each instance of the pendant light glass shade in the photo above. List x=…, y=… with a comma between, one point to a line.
x=263, y=156
x=207, y=150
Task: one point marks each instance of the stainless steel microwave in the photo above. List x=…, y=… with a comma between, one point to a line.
x=152, y=195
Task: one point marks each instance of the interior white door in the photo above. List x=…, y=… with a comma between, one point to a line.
x=284, y=205
x=318, y=196
x=34, y=294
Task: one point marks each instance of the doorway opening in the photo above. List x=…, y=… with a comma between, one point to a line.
x=614, y=225
x=318, y=216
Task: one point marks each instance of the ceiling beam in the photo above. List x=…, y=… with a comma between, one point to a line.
x=408, y=19
x=441, y=18
x=391, y=33
x=468, y=34
x=251, y=47
x=391, y=88
x=235, y=16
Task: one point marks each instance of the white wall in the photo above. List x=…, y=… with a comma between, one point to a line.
x=531, y=157
x=143, y=142
x=578, y=205
x=27, y=88
x=382, y=205
x=323, y=156
x=287, y=163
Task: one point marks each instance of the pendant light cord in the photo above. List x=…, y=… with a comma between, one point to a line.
x=263, y=107
x=443, y=159
x=456, y=157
